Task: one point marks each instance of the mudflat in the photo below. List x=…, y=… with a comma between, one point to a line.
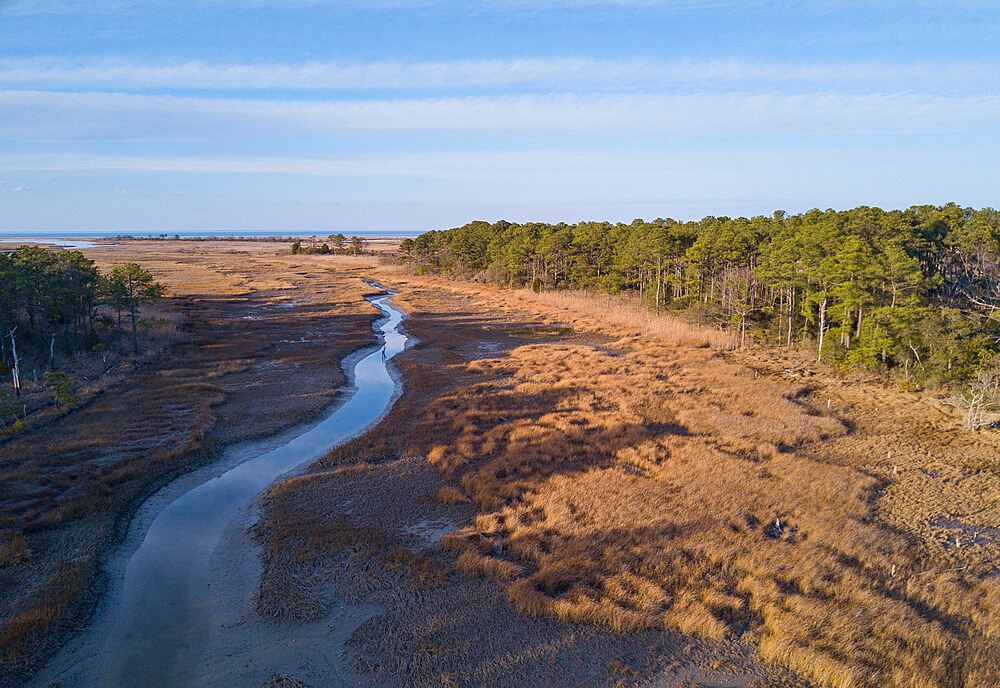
x=569, y=491
x=167, y=598
x=255, y=344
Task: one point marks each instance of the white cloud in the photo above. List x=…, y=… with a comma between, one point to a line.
x=564, y=73
x=52, y=7
x=528, y=166
x=452, y=188
x=56, y=7
x=61, y=116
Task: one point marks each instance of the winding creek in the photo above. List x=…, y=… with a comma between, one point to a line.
x=161, y=611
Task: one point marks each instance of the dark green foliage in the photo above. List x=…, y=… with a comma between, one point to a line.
x=340, y=246
x=61, y=385
x=913, y=291
x=128, y=286
x=50, y=298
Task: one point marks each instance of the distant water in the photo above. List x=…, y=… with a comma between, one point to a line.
x=98, y=233
x=61, y=243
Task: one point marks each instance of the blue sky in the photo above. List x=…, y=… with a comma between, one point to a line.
x=340, y=115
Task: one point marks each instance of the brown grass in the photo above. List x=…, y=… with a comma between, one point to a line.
x=625, y=313
x=258, y=336
x=301, y=533
x=651, y=481
x=53, y=599
x=449, y=495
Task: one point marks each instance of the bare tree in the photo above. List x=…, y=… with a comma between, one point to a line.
x=16, y=370
x=980, y=398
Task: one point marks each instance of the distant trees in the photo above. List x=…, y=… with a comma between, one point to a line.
x=49, y=301
x=915, y=291
x=128, y=286
x=340, y=246
x=52, y=293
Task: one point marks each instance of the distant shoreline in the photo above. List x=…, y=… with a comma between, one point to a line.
x=275, y=239
x=11, y=243
x=204, y=236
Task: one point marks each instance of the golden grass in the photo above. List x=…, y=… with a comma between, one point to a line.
x=652, y=481
x=238, y=369
x=622, y=312
x=449, y=495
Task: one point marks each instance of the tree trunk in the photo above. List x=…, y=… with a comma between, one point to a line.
x=135, y=338
x=780, y=311
x=791, y=301
x=16, y=370
x=822, y=328
x=659, y=270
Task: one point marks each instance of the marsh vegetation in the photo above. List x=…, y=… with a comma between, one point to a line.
x=254, y=350
x=572, y=489
x=640, y=474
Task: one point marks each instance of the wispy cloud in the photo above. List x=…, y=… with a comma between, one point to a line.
x=51, y=115
x=549, y=183
x=568, y=165
x=564, y=73
x=36, y=7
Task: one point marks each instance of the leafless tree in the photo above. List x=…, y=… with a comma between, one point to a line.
x=979, y=399
x=16, y=370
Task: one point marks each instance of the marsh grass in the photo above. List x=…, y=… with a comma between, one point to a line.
x=623, y=312
x=658, y=483
x=301, y=532
x=535, y=332
x=54, y=598
x=242, y=365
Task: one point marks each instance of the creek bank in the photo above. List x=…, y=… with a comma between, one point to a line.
x=162, y=611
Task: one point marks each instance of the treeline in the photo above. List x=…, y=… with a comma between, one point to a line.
x=49, y=304
x=913, y=291
x=355, y=246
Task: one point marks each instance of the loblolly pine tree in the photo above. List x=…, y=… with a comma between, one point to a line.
x=131, y=286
